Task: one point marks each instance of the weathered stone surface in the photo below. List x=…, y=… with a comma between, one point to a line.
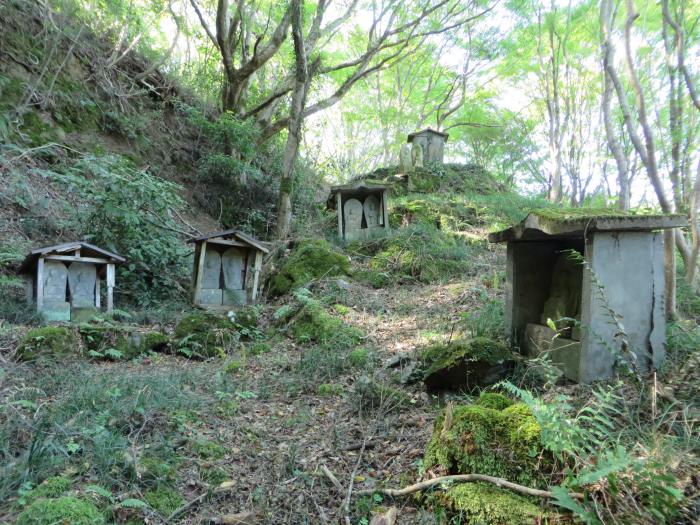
x=53, y=341
x=466, y=364
x=55, y=280
x=82, y=314
x=563, y=352
x=373, y=212
x=234, y=298
x=352, y=217
x=417, y=155
x=81, y=279
x=212, y=270
x=405, y=159
x=211, y=296
x=233, y=263
x=55, y=311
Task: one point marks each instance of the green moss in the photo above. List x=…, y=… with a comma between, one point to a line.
x=310, y=259
x=207, y=449
x=503, y=443
x=575, y=214
x=329, y=389
x=314, y=324
x=109, y=341
x=164, y=500
x=55, y=341
x=259, y=347
x=155, y=469
x=61, y=510
x=155, y=342
x=49, y=488
x=359, y=358
x=204, y=334
x=342, y=309
x=493, y=400
x=486, y=504
x=247, y=317
x=442, y=356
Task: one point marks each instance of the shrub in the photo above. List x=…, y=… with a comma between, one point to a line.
x=308, y=260
x=66, y=509
x=54, y=341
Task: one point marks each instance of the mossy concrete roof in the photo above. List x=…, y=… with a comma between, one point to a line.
x=238, y=235
x=86, y=250
x=576, y=222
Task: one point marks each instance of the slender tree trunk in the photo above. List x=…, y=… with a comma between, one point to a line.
x=301, y=85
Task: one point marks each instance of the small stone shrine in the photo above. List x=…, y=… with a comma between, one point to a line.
x=432, y=144
x=65, y=281
x=362, y=209
x=227, y=267
x=597, y=279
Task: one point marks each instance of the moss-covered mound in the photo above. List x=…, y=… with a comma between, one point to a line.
x=476, y=439
x=465, y=363
x=164, y=500
x=312, y=323
x=109, y=341
x=309, y=259
x=204, y=334
x=65, y=509
x=421, y=253
x=488, y=505
x=155, y=342
x=53, y=341
x=448, y=212
x=52, y=487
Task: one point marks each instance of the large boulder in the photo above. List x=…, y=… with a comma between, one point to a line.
x=308, y=260
x=466, y=364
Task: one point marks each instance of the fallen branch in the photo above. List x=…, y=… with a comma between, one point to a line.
x=464, y=478
x=326, y=471
x=348, y=496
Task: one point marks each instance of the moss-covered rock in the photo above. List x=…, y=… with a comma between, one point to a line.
x=247, y=317
x=155, y=342
x=308, y=260
x=164, y=500
x=489, y=505
x=503, y=443
x=204, y=334
x=313, y=324
x=465, y=363
x=110, y=341
x=65, y=509
x=493, y=400
x=54, y=341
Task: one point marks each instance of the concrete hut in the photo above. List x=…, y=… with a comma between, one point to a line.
x=227, y=268
x=362, y=209
x=432, y=143
x=597, y=279
x=64, y=281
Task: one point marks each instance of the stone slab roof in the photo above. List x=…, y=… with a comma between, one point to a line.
x=427, y=130
x=237, y=235
x=86, y=250
x=543, y=223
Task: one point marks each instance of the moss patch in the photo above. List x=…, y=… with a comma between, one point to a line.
x=109, y=341
x=310, y=259
x=488, y=505
x=55, y=341
x=313, y=324
x=52, y=487
x=155, y=342
x=503, y=443
x=465, y=363
x=493, y=400
x=204, y=334
x=61, y=510
x=164, y=500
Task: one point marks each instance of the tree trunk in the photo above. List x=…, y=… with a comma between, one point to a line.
x=301, y=84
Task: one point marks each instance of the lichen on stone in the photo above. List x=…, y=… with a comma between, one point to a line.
x=66, y=509
x=308, y=260
x=55, y=341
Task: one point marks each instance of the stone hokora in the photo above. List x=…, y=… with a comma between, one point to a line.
x=373, y=212
x=405, y=159
x=211, y=277
x=82, y=278
x=233, y=264
x=352, y=215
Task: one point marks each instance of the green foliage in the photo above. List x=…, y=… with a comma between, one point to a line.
x=109, y=341
x=155, y=342
x=360, y=357
x=488, y=320
x=330, y=389
x=164, y=500
x=312, y=323
x=204, y=334
x=422, y=253
x=498, y=442
x=371, y=394
x=130, y=211
x=66, y=509
x=489, y=505
x=207, y=449
x=48, y=341
x=310, y=259
x=52, y=487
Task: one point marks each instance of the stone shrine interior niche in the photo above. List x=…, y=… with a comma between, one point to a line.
x=362, y=216
x=372, y=211
x=233, y=262
x=81, y=279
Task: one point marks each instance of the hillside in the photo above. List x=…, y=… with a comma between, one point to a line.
x=365, y=367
